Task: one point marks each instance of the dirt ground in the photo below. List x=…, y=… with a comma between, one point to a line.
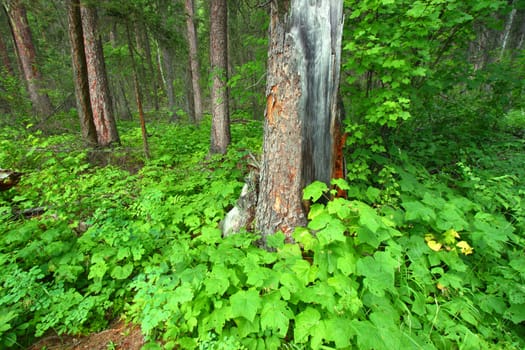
x=119, y=336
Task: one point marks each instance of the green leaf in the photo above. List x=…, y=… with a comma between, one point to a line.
x=516, y=313
x=379, y=272
x=183, y=294
x=275, y=316
x=217, y=282
x=276, y=240
x=122, y=272
x=416, y=210
x=307, y=323
x=314, y=191
x=337, y=330
x=245, y=304
x=333, y=232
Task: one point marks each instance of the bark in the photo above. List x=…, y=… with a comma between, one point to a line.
x=98, y=82
x=194, y=60
x=301, y=117
x=27, y=55
x=220, y=129
x=80, y=75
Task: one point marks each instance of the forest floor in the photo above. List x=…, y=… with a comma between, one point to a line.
x=119, y=336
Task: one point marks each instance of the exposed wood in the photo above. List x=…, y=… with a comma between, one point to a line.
x=302, y=109
x=9, y=179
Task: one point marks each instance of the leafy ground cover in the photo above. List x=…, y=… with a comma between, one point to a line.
x=425, y=253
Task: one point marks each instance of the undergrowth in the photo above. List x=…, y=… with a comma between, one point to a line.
x=425, y=253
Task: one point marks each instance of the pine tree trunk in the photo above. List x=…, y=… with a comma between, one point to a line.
x=220, y=129
x=27, y=56
x=302, y=110
x=80, y=78
x=98, y=82
x=194, y=61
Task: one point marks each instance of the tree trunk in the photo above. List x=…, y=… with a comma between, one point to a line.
x=144, y=47
x=138, y=98
x=301, y=126
x=98, y=82
x=220, y=128
x=27, y=56
x=168, y=76
x=194, y=60
x=80, y=77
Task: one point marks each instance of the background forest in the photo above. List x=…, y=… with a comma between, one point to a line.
x=425, y=251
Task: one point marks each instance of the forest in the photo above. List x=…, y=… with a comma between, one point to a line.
x=262, y=174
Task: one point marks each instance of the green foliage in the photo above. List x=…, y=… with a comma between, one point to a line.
x=69, y=269
x=419, y=260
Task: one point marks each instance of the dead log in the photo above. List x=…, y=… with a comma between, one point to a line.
x=8, y=179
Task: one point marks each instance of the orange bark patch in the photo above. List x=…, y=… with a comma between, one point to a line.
x=272, y=105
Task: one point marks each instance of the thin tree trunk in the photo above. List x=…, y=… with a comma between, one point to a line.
x=138, y=97
x=98, y=82
x=144, y=46
x=27, y=55
x=168, y=76
x=302, y=110
x=506, y=32
x=80, y=77
x=119, y=100
x=194, y=60
x=220, y=128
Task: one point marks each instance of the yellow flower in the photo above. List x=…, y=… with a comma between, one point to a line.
x=465, y=248
x=435, y=246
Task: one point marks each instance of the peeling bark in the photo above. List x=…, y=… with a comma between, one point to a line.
x=302, y=110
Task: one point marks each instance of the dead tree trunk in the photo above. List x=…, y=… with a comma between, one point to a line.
x=302, y=127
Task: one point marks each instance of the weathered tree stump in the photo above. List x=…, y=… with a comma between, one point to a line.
x=8, y=179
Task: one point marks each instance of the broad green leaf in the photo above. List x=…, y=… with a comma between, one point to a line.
x=378, y=272
x=333, y=232
x=314, y=191
x=307, y=323
x=416, y=210
x=337, y=330
x=275, y=316
x=516, y=313
x=218, y=280
x=245, y=303
x=122, y=272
